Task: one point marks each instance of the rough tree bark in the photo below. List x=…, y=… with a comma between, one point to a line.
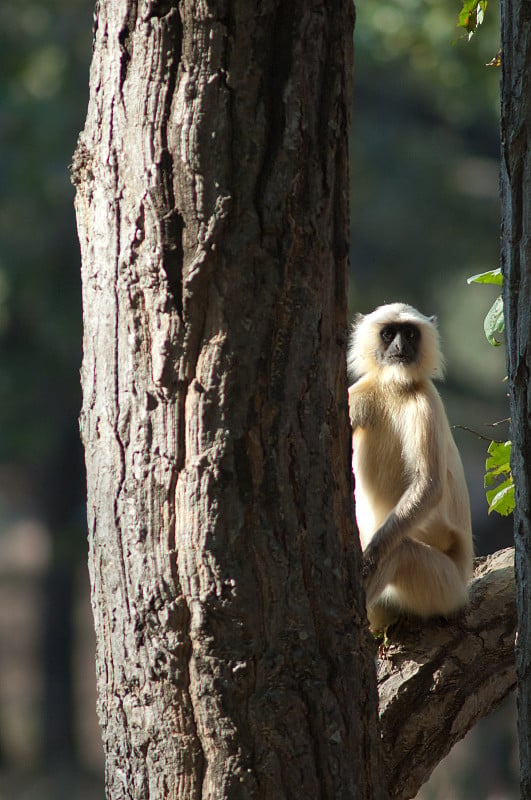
x=212, y=209
x=516, y=266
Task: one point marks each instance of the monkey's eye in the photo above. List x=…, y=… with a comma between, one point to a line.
x=388, y=334
x=411, y=333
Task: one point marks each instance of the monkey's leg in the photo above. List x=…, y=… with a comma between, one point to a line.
x=418, y=579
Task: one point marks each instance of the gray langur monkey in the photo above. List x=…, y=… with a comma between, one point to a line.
x=412, y=505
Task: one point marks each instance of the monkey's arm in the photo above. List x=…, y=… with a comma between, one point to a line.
x=420, y=497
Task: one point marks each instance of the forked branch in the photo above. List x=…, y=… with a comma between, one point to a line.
x=437, y=680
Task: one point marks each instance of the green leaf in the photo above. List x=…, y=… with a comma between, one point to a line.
x=471, y=15
x=494, y=324
x=499, y=456
x=492, y=276
x=501, y=497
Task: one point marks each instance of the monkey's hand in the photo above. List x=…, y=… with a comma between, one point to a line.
x=371, y=559
x=380, y=547
x=383, y=543
x=368, y=568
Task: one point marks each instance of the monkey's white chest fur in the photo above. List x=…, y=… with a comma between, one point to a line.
x=379, y=472
x=380, y=475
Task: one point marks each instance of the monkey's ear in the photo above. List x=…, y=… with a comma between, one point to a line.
x=358, y=318
x=433, y=319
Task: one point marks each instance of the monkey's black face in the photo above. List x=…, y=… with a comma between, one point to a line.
x=400, y=343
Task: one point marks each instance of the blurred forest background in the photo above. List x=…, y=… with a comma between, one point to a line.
x=425, y=215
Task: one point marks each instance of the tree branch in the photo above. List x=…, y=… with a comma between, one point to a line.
x=437, y=679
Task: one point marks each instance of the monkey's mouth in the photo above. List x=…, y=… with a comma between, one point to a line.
x=401, y=358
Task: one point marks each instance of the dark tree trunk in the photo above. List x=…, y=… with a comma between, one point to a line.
x=516, y=263
x=212, y=207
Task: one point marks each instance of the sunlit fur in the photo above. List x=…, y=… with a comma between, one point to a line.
x=412, y=505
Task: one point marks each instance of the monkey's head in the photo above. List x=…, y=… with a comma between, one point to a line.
x=397, y=342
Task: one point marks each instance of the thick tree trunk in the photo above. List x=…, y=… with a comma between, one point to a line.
x=516, y=264
x=212, y=207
